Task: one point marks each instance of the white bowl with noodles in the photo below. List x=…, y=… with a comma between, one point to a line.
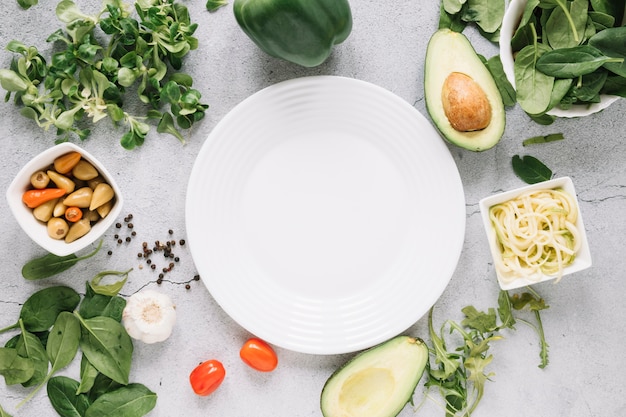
x=510, y=22
x=518, y=268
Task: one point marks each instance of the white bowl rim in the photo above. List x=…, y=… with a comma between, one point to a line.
x=35, y=229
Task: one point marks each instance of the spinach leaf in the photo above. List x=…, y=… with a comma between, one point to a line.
x=487, y=14
x=450, y=21
x=534, y=88
x=94, y=304
x=530, y=170
x=601, y=21
x=14, y=368
x=101, y=385
x=543, y=139
x=63, y=397
x=88, y=374
x=107, y=346
x=29, y=346
x=132, y=400
x=614, y=8
x=494, y=64
x=573, y=62
x=109, y=289
x=565, y=28
x=614, y=85
x=612, y=42
x=63, y=341
x=51, y=264
x=41, y=309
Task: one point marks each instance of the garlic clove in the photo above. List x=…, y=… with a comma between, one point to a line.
x=149, y=316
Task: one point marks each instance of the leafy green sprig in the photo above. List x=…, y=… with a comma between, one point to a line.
x=104, y=57
x=460, y=372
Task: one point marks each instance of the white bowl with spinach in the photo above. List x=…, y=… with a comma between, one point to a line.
x=564, y=58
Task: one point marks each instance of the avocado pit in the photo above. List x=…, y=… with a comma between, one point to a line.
x=465, y=104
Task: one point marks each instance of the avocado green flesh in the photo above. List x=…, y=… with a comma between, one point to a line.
x=449, y=52
x=377, y=382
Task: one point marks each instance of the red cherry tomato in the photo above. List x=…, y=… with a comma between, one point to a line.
x=259, y=355
x=207, y=376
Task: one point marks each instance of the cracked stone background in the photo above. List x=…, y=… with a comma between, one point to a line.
x=586, y=322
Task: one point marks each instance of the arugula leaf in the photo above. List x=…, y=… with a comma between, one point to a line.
x=530, y=169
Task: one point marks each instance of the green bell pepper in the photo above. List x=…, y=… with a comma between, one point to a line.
x=299, y=31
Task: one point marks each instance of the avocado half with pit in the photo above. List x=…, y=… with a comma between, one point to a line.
x=462, y=97
x=377, y=382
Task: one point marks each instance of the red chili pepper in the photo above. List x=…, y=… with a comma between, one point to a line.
x=35, y=198
x=207, y=377
x=259, y=355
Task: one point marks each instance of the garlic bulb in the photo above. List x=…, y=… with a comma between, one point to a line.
x=149, y=316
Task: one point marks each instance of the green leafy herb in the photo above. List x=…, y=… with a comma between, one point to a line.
x=51, y=264
x=530, y=169
x=460, y=372
x=509, y=96
x=543, y=139
x=100, y=58
x=213, y=5
x=485, y=14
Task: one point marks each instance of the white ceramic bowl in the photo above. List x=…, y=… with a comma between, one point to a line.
x=583, y=257
x=37, y=230
x=511, y=20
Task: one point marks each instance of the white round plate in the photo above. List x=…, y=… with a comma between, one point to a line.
x=325, y=214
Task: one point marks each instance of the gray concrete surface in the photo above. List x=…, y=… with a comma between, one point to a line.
x=585, y=325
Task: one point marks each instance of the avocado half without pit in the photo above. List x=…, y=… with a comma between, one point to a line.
x=462, y=98
x=378, y=382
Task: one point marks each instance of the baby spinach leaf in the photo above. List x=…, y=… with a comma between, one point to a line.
x=107, y=346
x=614, y=85
x=543, y=139
x=565, y=28
x=51, y=264
x=487, y=14
x=614, y=8
x=63, y=397
x=14, y=368
x=494, y=64
x=612, y=42
x=101, y=385
x=133, y=400
x=534, y=88
x=63, y=341
x=453, y=6
x=112, y=288
x=94, y=304
x=573, y=62
x=41, y=309
x=29, y=346
x=530, y=169
x=88, y=374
